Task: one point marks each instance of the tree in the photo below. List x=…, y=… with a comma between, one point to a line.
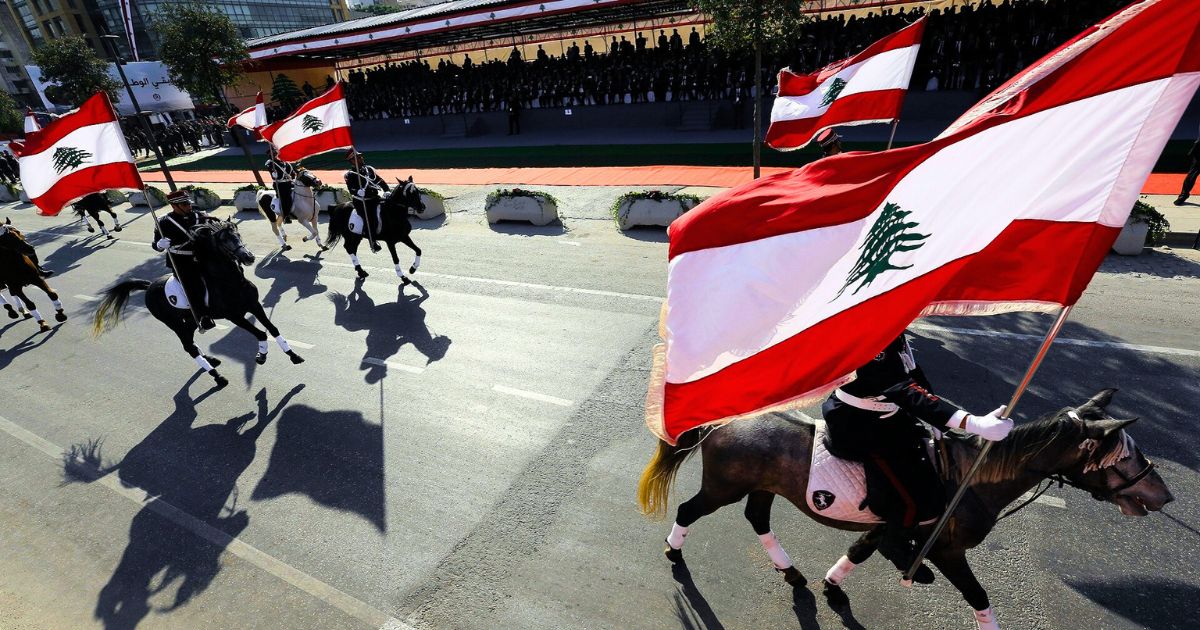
x=79, y=72
x=12, y=119
x=285, y=92
x=201, y=48
x=737, y=25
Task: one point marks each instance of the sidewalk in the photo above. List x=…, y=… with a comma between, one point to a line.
x=1185, y=219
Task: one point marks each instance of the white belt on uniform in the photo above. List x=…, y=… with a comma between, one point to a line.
x=866, y=404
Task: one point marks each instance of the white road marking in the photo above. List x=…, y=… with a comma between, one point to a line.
x=299, y=344
x=1045, y=499
x=297, y=578
x=87, y=298
x=1060, y=340
x=562, y=402
x=394, y=365
x=571, y=243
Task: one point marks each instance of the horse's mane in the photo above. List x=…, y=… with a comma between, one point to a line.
x=1013, y=455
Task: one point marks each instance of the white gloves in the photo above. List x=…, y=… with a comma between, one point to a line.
x=162, y=244
x=991, y=427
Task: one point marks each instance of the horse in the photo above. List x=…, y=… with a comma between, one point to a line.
x=221, y=254
x=17, y=271
x=304, y=207
x=83, y=211
x=394, y=208
x=760, y=458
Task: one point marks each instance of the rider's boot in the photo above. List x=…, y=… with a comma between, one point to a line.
x=899, y=545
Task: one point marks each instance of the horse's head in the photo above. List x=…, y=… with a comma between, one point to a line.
x=305, y=177
x=1108, y=464
x=405, y=195
x=224, y=239
x=11, y=236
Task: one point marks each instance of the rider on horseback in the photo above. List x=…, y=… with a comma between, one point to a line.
x=283, y=176
x=174, y=234
x=19, y=245
x=876, y=419
x=366, y=190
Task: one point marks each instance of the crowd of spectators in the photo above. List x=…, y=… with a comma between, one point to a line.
x=972, y=48
x=181, y=138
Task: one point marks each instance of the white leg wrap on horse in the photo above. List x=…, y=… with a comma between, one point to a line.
x=280, y=236
x=416, y=262
x=103, y=230
x=677, y=535
x=986, y=619
x=57, y=305
x=203, y=363
x=354, y=259
x=400, y=271
x=775, y=551
x=263, y=347
x=36, y=315
x=839, y=571
x=283, y=344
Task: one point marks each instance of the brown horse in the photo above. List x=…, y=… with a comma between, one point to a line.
x=19, y=269
x=1082, y=447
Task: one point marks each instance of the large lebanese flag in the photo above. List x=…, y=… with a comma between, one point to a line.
x=75, y=155
x=866, y=88
x=779, y=289
x=320, y=125
x=252, y=117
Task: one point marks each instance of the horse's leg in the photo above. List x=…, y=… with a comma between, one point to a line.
x=12, y=305
x=241, y=322
x=19, y=293
x=206, y=362
x=260, y=314
x=407, y=240
x=351, y=242
x=87, y=224
x=280, y=232
x=758, y=512
x=953, y=565
x=100, y=222
x=858, y=553
x=60, y=315
x=391, y=245
x=704, y=503
x=315, y=229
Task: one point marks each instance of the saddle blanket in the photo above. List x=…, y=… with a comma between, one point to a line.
x=177, y=297
x=356, y=222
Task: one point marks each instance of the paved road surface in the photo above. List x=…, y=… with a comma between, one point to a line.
x=464, y=455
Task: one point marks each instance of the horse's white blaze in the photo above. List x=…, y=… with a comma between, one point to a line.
x=775, y=551
x=676, y=538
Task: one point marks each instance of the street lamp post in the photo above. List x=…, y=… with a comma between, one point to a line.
x=162, y=163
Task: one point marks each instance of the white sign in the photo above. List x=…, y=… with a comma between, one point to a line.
x=149, y=80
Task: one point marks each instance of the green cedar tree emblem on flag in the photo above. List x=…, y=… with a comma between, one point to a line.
x=311, y=123
x=888, y=236
x=835, y=89
x=68, y=158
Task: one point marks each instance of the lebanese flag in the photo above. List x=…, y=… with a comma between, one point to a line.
x=75, y=155
x=320, y=125
x=779, y=289
x=866, y=88
x=251, y=118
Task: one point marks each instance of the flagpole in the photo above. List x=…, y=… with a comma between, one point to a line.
x=137, y=109
x=358, y=166
x=895, y=123
x=170, y=258
x=237, y=139
x=987, y=446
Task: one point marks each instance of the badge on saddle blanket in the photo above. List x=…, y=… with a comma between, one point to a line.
x=177, y=297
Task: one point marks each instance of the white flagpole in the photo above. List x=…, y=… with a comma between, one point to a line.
x=895, y=123
x=987, y=446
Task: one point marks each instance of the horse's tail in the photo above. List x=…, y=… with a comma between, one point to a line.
x=265, y=208
x=339, y=224
x=112, y=306
x=654, y=489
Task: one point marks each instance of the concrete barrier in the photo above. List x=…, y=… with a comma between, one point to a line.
x=435, y=206
x=633, y=211
x=203, y=198
x=536, y=208
x=331, y=197
x=1132, y=239
x=8, y=193
x=116, y=197
x=246, y=200
x=156, y=195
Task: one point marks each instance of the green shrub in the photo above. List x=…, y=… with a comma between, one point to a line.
x=1159, y=225
x=688, y=201
x=541, y=197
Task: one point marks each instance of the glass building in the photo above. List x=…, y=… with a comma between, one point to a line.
x=253, y=18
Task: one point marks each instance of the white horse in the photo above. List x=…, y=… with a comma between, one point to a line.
x=304, y=208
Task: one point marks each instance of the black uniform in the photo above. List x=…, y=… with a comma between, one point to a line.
x=1189, y=181
x=366, y=190
x=283, y=176
x=178, y=228
x=903, y=487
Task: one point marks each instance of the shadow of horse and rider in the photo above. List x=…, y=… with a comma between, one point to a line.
x=389, y=327
x=190, y=475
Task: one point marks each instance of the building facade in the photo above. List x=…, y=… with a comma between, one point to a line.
x=253, y=18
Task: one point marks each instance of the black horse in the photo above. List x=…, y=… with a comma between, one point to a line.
x=19, y=269
x=394, y=209
x=221, y=254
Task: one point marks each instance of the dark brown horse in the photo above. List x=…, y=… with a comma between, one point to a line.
x=19, y=269
x=1083, y=447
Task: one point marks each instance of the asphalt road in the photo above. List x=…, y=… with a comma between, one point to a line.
x=464, y=455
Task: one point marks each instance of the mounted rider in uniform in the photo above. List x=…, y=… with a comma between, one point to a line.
x=283, y=177
x=366, y=191
x=877, y=419
x=830, y=143
x=174, y=234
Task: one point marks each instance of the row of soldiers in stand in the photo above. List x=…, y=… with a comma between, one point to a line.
x=10, y=170
x=179, y=139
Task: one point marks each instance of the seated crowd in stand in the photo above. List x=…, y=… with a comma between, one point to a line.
x=972, y=48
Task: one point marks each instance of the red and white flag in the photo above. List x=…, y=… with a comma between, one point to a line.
x=252, y=118
x=31, y=121
x=77, y=154
x=866, y=88
x=320, y=125
x=779, y=289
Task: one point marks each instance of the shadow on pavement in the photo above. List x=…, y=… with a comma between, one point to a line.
x=67, y=257
x=1152, y=603
x=389, y=326
x=521, y=228
x=647, y=234
x=193, y=470
x=286, y=274
x=1159, y=263
x=691, y=608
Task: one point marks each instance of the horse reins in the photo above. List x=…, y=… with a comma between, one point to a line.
x=1110, y=493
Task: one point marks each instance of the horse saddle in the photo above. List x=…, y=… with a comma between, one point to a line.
x=177, y=297
x=837, y=488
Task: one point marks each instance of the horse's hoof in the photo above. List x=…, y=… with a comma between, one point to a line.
x=213, y=361
x=26, y=315
x=412, y=269
x=296, y=359
x=109, y=236
x=219, y=380
x=834, y=595
x=673, y=554
x=60, y=316
x=286, y=248
x=362, y=273
x=924, y=575
x=793, y=576
x=91, y=230
x=260, y=358
x=304, y=239
x=324, y=248
x=404, y=281
x=117, y=228
x=44, y=326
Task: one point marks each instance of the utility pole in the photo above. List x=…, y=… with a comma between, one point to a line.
x=162, y=163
